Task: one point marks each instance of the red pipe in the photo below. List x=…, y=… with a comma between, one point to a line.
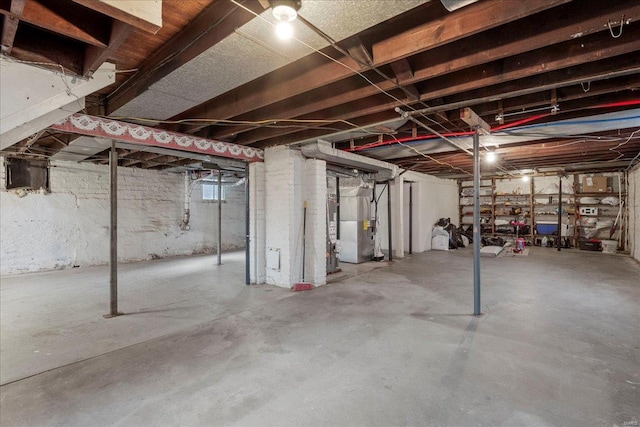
x=619, y=104
x=494, y=129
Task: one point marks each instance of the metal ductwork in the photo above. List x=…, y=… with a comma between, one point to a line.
x=323, y=150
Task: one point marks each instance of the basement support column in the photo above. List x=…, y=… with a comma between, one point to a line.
x=410, y=218
x=559, y=233
x=113, y=228
x=478, y=125
x=389, y=220
x=247, y=228
x=476, y=221
x=219, y=249
x=338, y=205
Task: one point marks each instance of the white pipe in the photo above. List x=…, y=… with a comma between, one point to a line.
x=184, y=225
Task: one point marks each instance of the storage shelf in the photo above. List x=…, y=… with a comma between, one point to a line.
x=552, y=194
x=535, y=207
x=599, y=194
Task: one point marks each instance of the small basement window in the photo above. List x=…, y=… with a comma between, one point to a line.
x=26, y=174
x=210, y=191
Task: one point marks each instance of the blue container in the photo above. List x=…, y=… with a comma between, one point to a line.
x=546, y=228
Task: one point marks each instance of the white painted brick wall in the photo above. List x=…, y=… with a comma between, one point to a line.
x=315, y=193
x=70, y=226
x=290, y=180
x=257, y=230
x=282, y=222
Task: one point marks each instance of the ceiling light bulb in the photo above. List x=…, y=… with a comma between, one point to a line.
x=490, y=156
x=284, y=30
x=284, y=13
x=525, y=178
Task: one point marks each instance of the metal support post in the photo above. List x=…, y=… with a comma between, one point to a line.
x=219, y=249
x=476, y=221
x=247, y=255
x=559, y=238
x=338, y=205
x=389, y=220
x=410, y=218
x=113, y=229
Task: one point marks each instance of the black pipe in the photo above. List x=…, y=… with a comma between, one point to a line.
x=338, y=207
x=247, y=279
x=476, y=222
x=219, y=242
x=560, y=213
x=389, y=219
x=113, y=231
x=410, y=218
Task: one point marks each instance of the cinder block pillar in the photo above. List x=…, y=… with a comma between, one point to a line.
x=257, y=222
x=397, y=216
x=290, y=179
x=315, y=193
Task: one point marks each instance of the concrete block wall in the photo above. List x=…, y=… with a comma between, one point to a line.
x=315, y=193
x=282, y=166
x=290, y=180
x=257, y=230
x=70, y=226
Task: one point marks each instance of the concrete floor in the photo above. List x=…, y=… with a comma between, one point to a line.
x=393, y=345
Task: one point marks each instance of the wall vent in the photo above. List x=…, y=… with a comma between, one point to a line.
x=27, y=174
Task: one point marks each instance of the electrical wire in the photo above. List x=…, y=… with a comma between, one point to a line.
x=228, y=121
x=353, y=70
x=431, y=158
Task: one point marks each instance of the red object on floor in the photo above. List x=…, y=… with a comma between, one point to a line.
x=301, y=287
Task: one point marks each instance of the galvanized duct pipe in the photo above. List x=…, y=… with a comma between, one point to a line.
x=323, y=150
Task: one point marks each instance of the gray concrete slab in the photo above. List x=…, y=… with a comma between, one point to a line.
x=557, y=346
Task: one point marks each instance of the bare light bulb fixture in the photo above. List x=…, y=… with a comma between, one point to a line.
x=285, y=12
x=284, y=30
x=490, y=157
x=525, y=178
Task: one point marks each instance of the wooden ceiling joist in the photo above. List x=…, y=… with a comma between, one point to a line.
x=211, y=26
x=555, y=30
x=145, y=15
x=10, y=24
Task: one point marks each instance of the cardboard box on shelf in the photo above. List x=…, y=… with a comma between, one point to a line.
x=594, y=184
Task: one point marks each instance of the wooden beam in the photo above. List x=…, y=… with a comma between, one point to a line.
x=359, y=52
x=68, y=20
x=10, y=25
x=512, y=39
x=36, y=45
x=458, y=85
x=320, y=73
x=94, y=56
x=145, y=15
x=211, y=26
x=471, y=20
x=465, y=88
x=402, y=69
